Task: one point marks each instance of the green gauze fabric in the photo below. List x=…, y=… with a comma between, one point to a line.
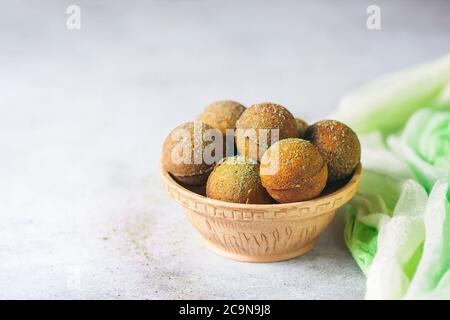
x=385, y=104
x=425, y=145
x=398, y=225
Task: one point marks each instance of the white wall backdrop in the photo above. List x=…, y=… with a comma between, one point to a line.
x=83, y=114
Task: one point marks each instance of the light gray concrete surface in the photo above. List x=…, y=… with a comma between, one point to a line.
x=83, y=115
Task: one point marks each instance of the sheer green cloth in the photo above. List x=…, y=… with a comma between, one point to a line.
x=398, y=225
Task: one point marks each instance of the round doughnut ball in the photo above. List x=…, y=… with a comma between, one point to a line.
x=188, y=156
x=339, y=146
x=253, y=128
x=301, y=127
x=222, y=115
x=293, y=170
x=236, y=179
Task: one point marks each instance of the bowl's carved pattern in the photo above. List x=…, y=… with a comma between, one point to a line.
x=227, y=212
x=242, y=238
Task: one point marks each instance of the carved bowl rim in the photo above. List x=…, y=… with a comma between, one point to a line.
x=346, y=191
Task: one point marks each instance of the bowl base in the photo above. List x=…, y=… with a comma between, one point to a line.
x=272, y=258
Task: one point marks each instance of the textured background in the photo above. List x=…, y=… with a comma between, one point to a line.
x=83, y=115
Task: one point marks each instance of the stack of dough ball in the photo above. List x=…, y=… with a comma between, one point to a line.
x=184, y=153
x=236, y=179
x=301, y=127
x=293, y=170
x=222, y=115
x=338, y=145
x=302, y=161
x=263, y=116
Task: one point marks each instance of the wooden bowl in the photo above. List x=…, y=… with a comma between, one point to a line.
x=261, y=233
